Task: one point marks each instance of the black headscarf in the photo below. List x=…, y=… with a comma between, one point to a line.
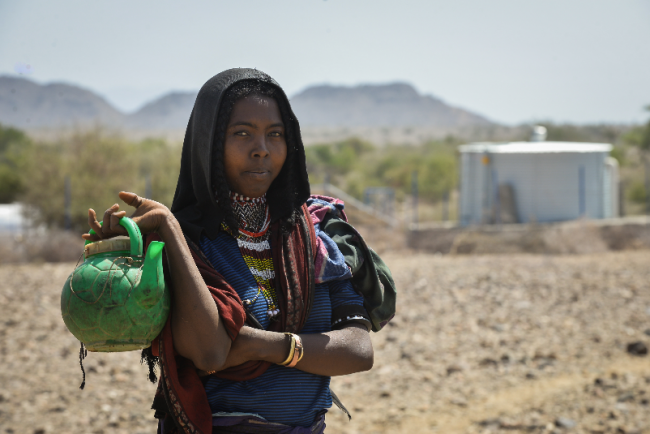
x=194, y=204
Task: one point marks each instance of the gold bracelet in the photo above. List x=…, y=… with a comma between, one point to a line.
x=297, y=355
x=292, y=349
x=302, y=353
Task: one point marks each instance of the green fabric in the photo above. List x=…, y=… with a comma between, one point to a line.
x=370, y=275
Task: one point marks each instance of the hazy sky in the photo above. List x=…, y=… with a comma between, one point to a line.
x=511, y=60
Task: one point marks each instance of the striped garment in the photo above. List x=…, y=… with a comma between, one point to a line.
x=282, y=395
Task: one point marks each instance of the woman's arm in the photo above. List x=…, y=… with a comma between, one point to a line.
x=197, y=328
x=339, y=352
x=199, y=333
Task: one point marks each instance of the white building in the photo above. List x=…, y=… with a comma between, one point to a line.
x=537, y=181
x=11, y=218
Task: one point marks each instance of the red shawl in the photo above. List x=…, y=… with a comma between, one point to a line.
x=179, y=383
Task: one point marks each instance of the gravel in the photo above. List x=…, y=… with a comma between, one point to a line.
x=480, y=344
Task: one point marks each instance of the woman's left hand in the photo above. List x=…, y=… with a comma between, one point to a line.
x=250, y=345
x=339, y=352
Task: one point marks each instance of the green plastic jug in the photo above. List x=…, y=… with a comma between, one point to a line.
x=117, y=300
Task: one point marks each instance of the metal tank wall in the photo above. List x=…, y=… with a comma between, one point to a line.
x=611, y=188
x=548, y=187
x=472, y=185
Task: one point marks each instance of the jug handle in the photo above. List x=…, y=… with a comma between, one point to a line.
x=134, y=234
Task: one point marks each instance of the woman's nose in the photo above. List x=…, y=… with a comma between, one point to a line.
x=260, y=147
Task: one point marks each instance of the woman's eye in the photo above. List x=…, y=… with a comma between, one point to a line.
x=241, y=133
x=276, y=134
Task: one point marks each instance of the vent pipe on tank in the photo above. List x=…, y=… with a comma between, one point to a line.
x=539, y=134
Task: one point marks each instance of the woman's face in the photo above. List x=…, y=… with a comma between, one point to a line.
x=255, y=146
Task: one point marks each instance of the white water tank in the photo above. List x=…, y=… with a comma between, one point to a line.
x=546, y=181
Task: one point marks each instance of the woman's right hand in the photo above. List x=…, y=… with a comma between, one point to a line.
x=149, y=215
x=197, y=328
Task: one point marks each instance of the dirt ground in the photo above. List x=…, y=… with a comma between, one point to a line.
x=480, y=344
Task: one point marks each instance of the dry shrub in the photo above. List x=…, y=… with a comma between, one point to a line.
x=41, y=246
x=580, y=237
x=383, y=239
x=632, y=236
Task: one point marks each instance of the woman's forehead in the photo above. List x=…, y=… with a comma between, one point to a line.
x=255, y=107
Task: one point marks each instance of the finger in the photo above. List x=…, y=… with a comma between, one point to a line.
x=106, y=228
x=114, y=223
x=94, y=225
x=131, y=199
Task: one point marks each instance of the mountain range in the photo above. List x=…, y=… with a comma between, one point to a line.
x=31, y=106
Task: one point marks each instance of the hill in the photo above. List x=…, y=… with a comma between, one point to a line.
x=29, y=105
x=26, y=104
x=391, y=105
x=169, y=112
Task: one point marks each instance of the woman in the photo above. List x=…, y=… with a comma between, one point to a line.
x=250, y=345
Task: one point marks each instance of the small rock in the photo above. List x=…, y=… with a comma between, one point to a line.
x=490, y=423
x=637, y=348
x=647, y=332
x=57, y=410
x=626, y=397
x=461, y=402
x=545, y=364
x=621, y=406
x=453, y=369
x=512, y=426
x=488, y=362
x=564, y=422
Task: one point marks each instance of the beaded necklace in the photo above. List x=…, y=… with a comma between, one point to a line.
x=253, y=241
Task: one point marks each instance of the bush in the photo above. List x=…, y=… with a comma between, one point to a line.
x=99, y=166
x=15, y=150
x=636, y=192
x=618, y=153
x=354, y=165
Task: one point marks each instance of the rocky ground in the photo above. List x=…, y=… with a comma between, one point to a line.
x=480, y=344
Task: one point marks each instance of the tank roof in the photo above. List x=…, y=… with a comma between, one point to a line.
x=534, y=147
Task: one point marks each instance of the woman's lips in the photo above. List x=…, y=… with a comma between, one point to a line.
x=257, y=173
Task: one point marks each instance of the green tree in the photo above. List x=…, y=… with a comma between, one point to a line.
x=99, y=166
x=645, y=135
x=15, y=149
x=355, y=165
